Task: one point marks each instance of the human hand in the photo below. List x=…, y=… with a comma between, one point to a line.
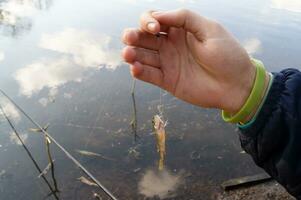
x=197, y=61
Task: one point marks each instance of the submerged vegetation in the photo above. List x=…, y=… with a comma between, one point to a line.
x=53, y=190
x=50, y=159
x=133, y=122
x=48, y=139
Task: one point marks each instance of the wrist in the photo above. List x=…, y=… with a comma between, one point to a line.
x=236, y=94
x=250, y=98
x=254, y=111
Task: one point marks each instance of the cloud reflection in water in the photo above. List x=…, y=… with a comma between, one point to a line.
x=47, y=73
x=252, y=45
x=15, y=140
x=87, y=49
x=139, y=1
x=162, y=184
x=16, y=15
x=1, y=56
x=289, y=5
x=10, y=110
x=79, y=51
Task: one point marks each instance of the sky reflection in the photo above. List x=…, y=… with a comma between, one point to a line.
x=10, y=110
x=16, y=15
x=47, y=73
x=252, y=45
x=289, y=5
x=15, y=140
x=161, y=184
x=78, y=50
x=86, y=48
x=1, y=56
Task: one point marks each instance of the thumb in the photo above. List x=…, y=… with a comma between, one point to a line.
x=183, y=18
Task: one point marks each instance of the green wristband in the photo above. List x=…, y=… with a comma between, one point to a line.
x=254, y=97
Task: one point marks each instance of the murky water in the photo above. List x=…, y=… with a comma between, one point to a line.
x=60, y=61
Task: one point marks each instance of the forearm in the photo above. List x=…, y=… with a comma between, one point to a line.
x=274, y=138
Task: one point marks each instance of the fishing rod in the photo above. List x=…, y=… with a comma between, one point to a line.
x=28, y=152
x=104, y=189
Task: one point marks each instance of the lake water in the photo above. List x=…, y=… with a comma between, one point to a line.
x=60, y=61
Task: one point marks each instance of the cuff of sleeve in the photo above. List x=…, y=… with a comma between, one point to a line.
x=268, y=107
x=248, y=124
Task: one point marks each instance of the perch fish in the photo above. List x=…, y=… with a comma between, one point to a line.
x=159, y=129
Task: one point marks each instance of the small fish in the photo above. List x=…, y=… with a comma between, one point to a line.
x=38, y=130
x=159, y=129
x=89, y=153
x=87, y=181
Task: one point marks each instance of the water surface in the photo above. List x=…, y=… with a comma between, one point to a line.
x=60, y=61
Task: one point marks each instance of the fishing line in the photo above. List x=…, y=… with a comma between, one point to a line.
x=28, y=152
x=104, y=189
x=92, y=130
x=160, y=107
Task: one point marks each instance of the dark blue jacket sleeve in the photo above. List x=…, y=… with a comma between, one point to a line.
x=274, y=139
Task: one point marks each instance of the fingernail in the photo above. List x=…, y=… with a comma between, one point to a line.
x=151, y=26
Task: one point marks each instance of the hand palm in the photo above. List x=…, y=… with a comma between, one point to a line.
x=182, y=67
x=178, y=64
x=198, y=61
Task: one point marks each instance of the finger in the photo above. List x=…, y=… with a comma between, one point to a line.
x=149, y=24
x=144, y=56
x=147, y=73
x=182, y=18
x=138, y=38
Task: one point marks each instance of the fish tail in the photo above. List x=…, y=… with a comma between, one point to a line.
x=161, y=164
